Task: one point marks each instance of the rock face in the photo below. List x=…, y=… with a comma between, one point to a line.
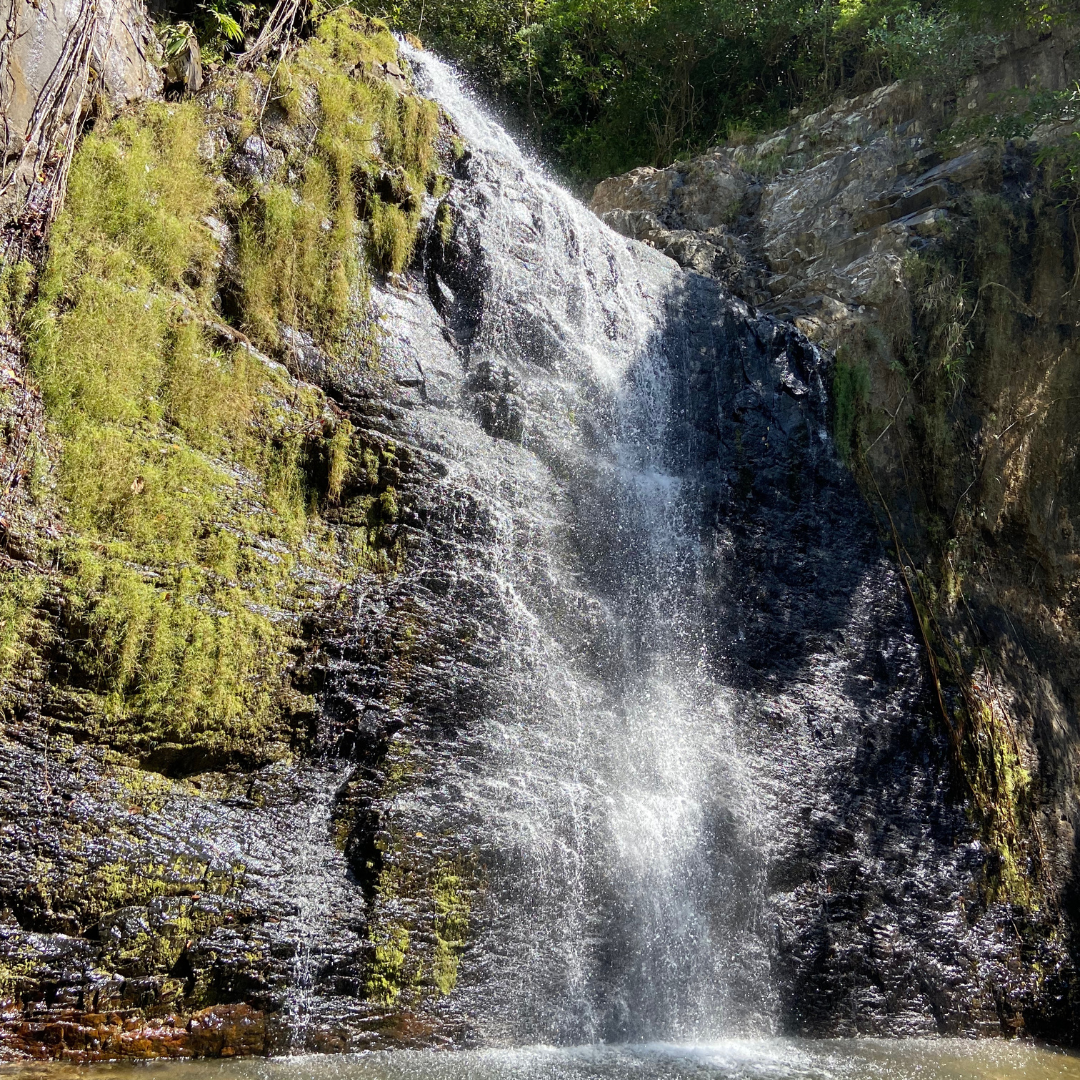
x=36, y=38
x=606, y=714
x=931, y=246
x=823, y=212
x=167, y=900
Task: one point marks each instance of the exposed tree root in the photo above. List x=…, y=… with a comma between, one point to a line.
x=277, y=32
x=50, y=138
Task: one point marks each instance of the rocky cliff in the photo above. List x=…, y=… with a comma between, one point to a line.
x=198, y=463
x=933, y=245
x=57, y=61
x=371, y=514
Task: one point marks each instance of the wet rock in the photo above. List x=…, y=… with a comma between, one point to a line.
x=497, y=402
x=255, y=161
x=838, y=203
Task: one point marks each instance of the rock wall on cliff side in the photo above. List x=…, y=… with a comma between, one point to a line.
x=933, y=245
x=57, y=61
x=197, y=462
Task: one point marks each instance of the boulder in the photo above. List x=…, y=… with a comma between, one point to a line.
x=711, y=193
x=642, y=189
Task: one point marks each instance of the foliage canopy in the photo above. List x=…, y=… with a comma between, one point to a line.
x=605, y=85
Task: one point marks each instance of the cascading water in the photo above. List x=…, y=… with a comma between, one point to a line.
x=642, y=694
x=605, y=791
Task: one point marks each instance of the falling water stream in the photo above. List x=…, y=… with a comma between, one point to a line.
x=594, y=740
x=596, y=737
x=620, y=822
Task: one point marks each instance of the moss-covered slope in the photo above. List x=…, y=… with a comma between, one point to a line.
x=185, y=494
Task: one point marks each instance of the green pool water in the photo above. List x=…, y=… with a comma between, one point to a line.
x=751, y=1059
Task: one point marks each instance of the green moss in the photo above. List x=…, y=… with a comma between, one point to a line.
x=14, y=971
x=170, y=660
x=386, y=975
x=180, y=461
x=298, y=255
x=125, y=882
x=393, y=235
x=16, y=282
x=371, y=465
x=339, y=460
x=1004, y=800
x=388, y=505
x=444, y=222
x=293, y=270
x=451, y=925
x=20, y=595
x=145, y=790
x=851, y=392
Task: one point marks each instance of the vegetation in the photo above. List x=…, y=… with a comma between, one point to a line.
x=609, y=84
x=604, y=85
x=851, y=388
x=193, y=475
x=374, y=148
x=452, y=909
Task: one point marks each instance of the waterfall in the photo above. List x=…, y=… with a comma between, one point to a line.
x=642, y=654
x=615, y=809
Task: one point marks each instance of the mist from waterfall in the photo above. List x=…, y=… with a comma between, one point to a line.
x=617, y=818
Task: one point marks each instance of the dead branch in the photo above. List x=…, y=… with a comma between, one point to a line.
x=7, y=39
x=54, y=124
x=277, y=31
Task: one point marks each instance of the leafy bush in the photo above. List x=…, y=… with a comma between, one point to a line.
x=937, y=47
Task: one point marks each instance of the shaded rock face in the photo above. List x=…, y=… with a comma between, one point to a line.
x=856, y=224
x=1026, y=58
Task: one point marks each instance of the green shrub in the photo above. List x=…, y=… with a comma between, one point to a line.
x=937, y=47
x=605, y=85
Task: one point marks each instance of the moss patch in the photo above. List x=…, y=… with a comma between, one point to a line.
x=851, y=391
x=452, y=910
x=193, y=476
x=371, y=158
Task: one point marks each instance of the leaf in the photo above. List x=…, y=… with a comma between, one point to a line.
x=228, y=27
